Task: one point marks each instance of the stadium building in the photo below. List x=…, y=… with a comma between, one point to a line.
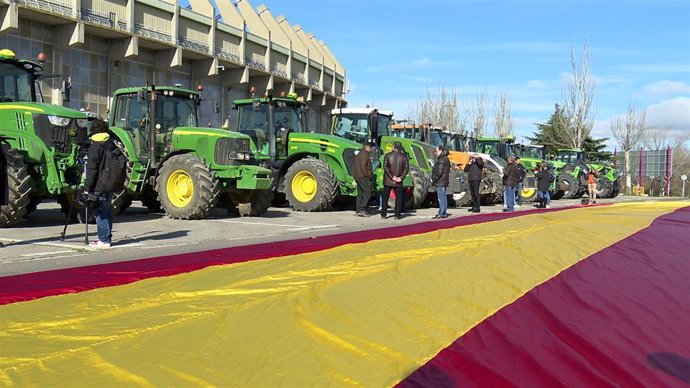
x=228, y=48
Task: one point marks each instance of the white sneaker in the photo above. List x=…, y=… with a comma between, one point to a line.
x=99, y=244
x=548, y=206
x=516, y=205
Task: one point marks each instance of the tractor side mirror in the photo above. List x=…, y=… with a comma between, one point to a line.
x=216, y=107
x=256, y=105
x=66, y=89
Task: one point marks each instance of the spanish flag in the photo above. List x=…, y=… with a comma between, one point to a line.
x=580, y=296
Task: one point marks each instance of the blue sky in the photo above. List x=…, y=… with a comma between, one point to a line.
x=393, y=50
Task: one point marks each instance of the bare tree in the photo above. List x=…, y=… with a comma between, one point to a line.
x=579, y=96
x=479, y=119
x=659, y=138
x=438, y=107
x=503, y=123
x=628, y=132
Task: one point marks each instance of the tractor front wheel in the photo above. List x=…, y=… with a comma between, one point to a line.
x=310, y=185
x=187, y=188
x=569, y=185
x=604, y=188
x=528, y=194
x=18, y=199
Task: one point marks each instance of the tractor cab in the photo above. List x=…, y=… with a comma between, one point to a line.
x=570, y=156
x=360, y=124
x=406, y=129
x=494, y=146
x=269, y=122
x=150, y=115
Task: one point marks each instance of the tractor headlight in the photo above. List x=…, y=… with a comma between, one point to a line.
x=58, y=121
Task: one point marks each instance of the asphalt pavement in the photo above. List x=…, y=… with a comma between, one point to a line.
x=34, y=245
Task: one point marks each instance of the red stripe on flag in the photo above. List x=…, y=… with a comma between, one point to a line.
x=619, y=318
x=31, y=286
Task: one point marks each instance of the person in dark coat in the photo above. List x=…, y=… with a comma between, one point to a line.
x=395, y=169
x=474, y=174
x=543, y=184
x=363, y=175
x=101, y=142
x=439, y=178
x=521, y=179
x=510, y=180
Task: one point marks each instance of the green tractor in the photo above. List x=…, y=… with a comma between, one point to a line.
x=180, y=167
x=43, y=143
x=503, y=148
x=311, y=170
x=571, y=173
x=358, y=124
x=575, y=164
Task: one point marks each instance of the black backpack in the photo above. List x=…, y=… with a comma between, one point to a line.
x=113, y=172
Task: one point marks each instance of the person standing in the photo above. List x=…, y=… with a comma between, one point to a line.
x=543, y=183
x=592, y=185
x=521, y=178
x=510, y=179
x=363, y=175
x=101, y=142
x=439, y=178
x=4, y=184
x=395, y=168
x=474, y=174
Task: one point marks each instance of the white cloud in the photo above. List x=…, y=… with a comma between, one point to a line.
x=421, y=62
x=667, y=87
x=672, y=114
x=537, y=84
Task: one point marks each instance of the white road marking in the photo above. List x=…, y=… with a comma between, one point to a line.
x=45, y=253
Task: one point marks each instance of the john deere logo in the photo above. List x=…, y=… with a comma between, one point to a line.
x=389, y=147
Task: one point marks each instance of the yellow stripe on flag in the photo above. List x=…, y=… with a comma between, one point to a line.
x=362, y=314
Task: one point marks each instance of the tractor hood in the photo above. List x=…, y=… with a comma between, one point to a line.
x=211, y=132
x=43, y=108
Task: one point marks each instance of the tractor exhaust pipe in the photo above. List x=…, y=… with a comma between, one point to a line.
x=271, y=130
x=152, y=128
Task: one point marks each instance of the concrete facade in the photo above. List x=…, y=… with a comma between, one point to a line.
x=227, y=48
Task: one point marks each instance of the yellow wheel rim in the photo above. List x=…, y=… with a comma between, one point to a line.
x=304, y=186
x=528, y=193
x=180, y=188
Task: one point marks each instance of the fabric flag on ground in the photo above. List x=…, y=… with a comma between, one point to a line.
x=588, y=296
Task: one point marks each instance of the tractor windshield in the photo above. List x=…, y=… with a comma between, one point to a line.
x=356, y=126
x=253, y=121
x=176, y=111
x=533, y=152
x=488, y=147
x=16, y=84
x=568, y=156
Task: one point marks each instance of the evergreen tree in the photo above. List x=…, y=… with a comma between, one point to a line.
x=594, y=150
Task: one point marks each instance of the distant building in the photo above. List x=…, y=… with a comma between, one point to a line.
x=103, y=45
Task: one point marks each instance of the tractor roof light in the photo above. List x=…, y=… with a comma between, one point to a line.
x=282, y=94
x=200, y=88
x=252, y=91
x=42, y=57
x=7, y=54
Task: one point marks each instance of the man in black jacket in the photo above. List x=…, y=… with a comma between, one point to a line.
x=101, y=142
x=363, y=175
x=474, y=174
x=439, y=178
x=510, y=179
x=543, y=184
x=520, y=183
x=395, y=168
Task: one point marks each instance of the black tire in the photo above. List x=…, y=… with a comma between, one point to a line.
x=604, y=188
x=616, y=188
x=33, y=204
x=420, y=189
x=556, y=195
x=461, y=199
x=300, y=178
x=149, y=199
x=192, y=175
x=495, y=180
x=18, y=200
x=569, y=185
x=259, y=201
x=529, y=194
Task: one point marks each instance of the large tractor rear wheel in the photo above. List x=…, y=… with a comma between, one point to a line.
x=604, y=188
x=569, y=185
x=18, y=199
x=416, y=195
x=310, y=185
x=187, y=188
x=247, y=202
x=149, y=198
